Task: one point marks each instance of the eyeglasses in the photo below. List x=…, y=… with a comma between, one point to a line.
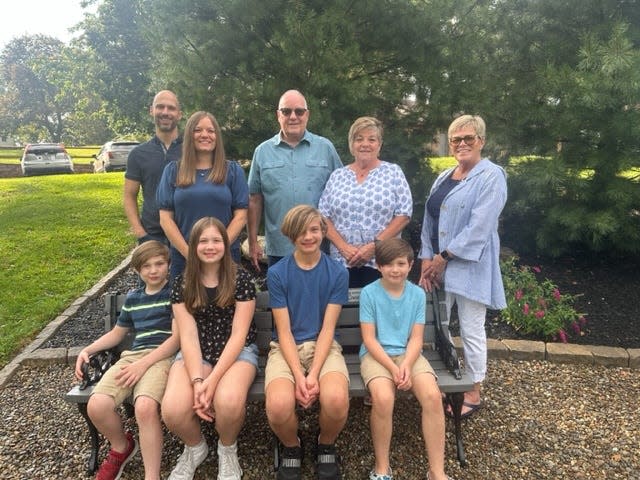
x=470, y=140
x=288, y=111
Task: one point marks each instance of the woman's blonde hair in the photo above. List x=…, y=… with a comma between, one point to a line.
x=187, y=164
x=475, y=121
x=195, y=294
x=297, y=220
x=363, y=123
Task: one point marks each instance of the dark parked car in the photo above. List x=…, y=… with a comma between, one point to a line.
x=43, y=158
x=113, y=156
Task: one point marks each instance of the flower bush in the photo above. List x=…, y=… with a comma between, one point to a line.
x=537, y=307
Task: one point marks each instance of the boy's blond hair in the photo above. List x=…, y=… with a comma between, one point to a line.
x=147, y=250
x=390, y=249
x=297, y=220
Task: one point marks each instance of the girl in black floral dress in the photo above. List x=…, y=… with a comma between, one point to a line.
x=213, y=304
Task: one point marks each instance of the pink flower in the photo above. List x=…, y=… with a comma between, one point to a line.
x=519, y=294
x=542, y=302
x=563, y=336
x=536, y=269
x=575, y=327
x=556, y=294
x=525, y=309
x=582, y=320
x=539, y=314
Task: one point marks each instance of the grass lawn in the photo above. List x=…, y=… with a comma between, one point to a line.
x=59, y=235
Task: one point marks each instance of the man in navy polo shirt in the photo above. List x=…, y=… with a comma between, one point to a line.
x=145, y=165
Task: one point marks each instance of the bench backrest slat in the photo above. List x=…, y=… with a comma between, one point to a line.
x=347, y=329
x=349, y=316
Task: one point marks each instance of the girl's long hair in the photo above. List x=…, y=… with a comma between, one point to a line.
x=195, y=294
x=187, y=164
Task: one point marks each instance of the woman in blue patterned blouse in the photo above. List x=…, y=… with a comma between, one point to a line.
x=366, y=201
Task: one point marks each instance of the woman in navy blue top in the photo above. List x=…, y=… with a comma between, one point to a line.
x=201, y=184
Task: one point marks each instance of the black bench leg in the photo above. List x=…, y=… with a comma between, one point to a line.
x=276, y=453
x=92, y=462
x=456, y=400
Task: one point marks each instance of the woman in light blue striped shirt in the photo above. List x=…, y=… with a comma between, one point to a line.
x=460, y=243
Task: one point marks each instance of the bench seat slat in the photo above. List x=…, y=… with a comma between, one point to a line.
x=75, y=395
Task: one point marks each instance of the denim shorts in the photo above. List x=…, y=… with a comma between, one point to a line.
x=249, y=354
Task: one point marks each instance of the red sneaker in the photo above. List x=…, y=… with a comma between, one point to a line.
x=111, y=468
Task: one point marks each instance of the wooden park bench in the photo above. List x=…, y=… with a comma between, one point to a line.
x=438, y=349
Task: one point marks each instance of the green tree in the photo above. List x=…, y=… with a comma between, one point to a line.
x=119, y=55
x=34, y=71
x=544, y=74
x=89, y=122
x=585, y=200
x=235, y=58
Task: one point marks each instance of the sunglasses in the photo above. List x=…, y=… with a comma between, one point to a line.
x=288, y=111
x=470, y=140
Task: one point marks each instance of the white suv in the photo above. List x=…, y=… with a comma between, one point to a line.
x=113, y=156
x=43, y=158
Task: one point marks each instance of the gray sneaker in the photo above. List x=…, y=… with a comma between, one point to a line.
x=189, y=461
x=228, y=466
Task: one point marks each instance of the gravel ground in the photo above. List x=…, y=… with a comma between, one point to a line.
x=540, y=421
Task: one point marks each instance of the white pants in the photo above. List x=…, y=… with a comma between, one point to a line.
x=472, y=317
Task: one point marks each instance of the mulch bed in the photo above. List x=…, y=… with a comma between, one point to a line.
x=606, y=292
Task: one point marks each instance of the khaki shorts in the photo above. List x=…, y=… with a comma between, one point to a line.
x=370, y=368
x=277, y=366
x=152, y=383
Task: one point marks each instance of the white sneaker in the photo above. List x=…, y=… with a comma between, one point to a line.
x=190, y=459
x=228, y=466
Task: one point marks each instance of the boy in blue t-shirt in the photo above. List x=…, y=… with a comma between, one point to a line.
x=392, y=318
x=143, y=370
x=306, y=292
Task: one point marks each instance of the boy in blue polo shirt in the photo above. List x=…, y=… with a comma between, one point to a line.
x=143, y=370
x=392, y=317
x=306, y=291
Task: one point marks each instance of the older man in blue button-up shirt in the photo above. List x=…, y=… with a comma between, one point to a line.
x=289, y=169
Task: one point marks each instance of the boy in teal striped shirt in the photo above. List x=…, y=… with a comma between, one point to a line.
x=141, y=371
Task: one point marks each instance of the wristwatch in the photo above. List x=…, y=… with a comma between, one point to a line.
x=445, y=255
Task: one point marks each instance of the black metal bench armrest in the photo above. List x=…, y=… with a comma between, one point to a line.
x=98, y=364
x=444, y=346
